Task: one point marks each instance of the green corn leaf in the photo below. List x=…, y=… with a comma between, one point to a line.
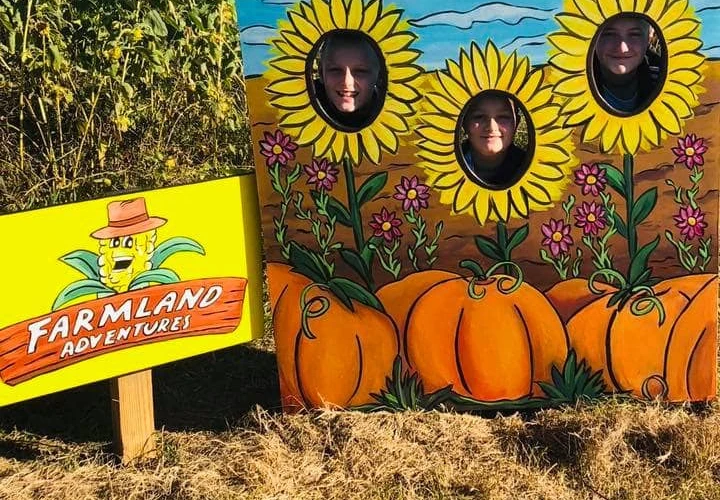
x=80, y=288
x=488, y=247
x=552, y=392
x=161, y=275
x=640, y=262
x=644, y=205
x=84, y=261
x=172, y=246
x=357, y=292
x=371, y=187
x=614, y=177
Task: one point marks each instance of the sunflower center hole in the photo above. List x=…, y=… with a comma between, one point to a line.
x=347, y=79
x=627, y=63
x=494, y=139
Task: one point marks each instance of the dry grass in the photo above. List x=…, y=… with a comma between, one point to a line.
x=216, y=444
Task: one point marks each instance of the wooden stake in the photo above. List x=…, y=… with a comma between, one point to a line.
x=133, y=416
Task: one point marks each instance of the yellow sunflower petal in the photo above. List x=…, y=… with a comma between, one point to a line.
x=521, y=73
x=687, y=44
x=288, y=86
x=666, y=117
x=650, y=131
x=291, y=102
x=590, y=9
x=680, y=29
x=492, y=60
x=545, y=116
x=677, y=103
x=608, y=8
x=685, y=77
x=552, y=153
x=655, y=9
x=468, y=74
x=304, y=28
x=370, y=145
x=687, y=60
x=611, y=133
x=437, y=158
x=324, y=18
x=355, y=14
x=568, y=63
x=537, y=192
x=627, y=5
x=631, y=137
x=371, y=15
x=353, y=148
x=540, y=99
x=322, y=144
x=403, y=73
x=384, y=26
x=507, y=72
x=289, y=65
x=436, y=135
x=478, y=62
x=407, y=56
x=296, y=41
x=530, y=86
x=309, y=14
x=392, y=121
x=286, y=48
x=396, y=43
x=682, y=91
x=464, y=196
x=573, y=85
x=337, y=147
x=449, y=180
x=569, y=44
x=311, y=131
x=481, y=207
x=443, y=104
x=452, y=87
x=338, y=13
x=581, y=115
x=674, y=12
x=555, y=135
x=577, y=25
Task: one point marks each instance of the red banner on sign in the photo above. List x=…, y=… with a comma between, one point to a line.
x=157, y=313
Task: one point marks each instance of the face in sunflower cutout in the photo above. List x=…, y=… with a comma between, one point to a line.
x=626, y=66
x=349, y=87
x=490, y=124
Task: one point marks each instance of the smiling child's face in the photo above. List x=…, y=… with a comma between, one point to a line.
x=622, y=45
x=490, y=126
x=349, y=74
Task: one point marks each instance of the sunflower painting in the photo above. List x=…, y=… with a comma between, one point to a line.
x=481, y=205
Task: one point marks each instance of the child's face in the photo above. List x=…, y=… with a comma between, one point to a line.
x=622, y=45
x=349, y=74
x=490, y=126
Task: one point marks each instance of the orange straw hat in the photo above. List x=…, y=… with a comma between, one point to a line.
x=127, y=217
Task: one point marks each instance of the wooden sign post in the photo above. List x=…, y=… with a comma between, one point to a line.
x=133, y=416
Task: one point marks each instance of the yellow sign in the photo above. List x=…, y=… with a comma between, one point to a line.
x=99, y=289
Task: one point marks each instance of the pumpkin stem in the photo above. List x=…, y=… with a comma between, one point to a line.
x=645, y=304
x=471, y=289
x=606, y=273
x=474, y=268
x=307, y=308
x=517, y=281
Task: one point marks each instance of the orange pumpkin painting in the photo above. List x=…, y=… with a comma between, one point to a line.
x=488, y=344
x=648, y=359
x=328, y=355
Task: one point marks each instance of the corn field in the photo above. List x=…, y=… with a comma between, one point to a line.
x=100, y=97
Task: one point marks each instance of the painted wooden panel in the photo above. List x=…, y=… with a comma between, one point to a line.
x=112, y=286
x=407, y=270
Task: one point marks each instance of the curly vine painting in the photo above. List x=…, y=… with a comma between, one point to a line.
x=483, y=205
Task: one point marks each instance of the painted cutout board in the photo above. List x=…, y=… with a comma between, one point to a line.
x=483, y=205
x=107, y=287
